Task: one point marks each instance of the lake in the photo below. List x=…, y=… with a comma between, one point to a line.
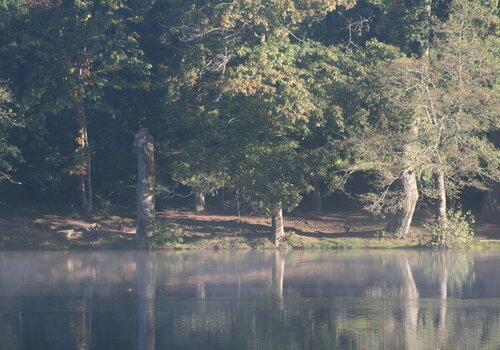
x=351, y=299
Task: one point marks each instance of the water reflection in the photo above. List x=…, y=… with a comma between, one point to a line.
x=146, y=293
x=81, y=316
x=278, y=274
x=250, y=300
x=410, y=302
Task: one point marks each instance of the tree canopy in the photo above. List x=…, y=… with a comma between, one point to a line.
x=265, y=100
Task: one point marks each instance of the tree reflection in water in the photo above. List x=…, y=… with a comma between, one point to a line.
x=410, y=301
x=146, y=293
x=255, y=300
x=81, y=321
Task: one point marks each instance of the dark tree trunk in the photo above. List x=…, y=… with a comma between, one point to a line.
x=441, y=203
x=84, y=161
x=144, y=147
x=199, y=202
x=316, y=200
x=491, y=199
x=222, y=199
x=277, y=226
x=401, y=222
x=86, y=194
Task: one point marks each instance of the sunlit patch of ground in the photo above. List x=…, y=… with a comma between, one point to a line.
x=352, y=224
x=27, y=229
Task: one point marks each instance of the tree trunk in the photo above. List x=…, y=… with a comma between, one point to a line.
x=427, y=44
x=277, y=226
x=222, y=200
x=441, y=204
x=84, y=161
x=144, y=147
x=199, y=202
x=400, y=223
x=316, y=200
x=491, y=199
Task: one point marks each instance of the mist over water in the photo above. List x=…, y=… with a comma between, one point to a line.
x=250, y=300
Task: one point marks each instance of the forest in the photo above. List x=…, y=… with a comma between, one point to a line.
x=254, y=107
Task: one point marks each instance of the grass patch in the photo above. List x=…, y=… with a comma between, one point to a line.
x=28, y=229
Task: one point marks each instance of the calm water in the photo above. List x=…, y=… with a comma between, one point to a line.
x=237, y=300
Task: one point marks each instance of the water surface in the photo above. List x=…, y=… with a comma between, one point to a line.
x=249, y=300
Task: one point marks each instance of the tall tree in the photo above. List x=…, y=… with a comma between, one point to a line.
x=253, y=95
x=67, y=55
x=450, y=97
x=462, y=100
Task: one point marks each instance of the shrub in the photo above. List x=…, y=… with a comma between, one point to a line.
x=165, y=233
x=457, y=233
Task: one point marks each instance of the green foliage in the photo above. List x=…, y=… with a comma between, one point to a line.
x=271, y=176
x=68, y=61
x=9, y=153
x=269, y=103
x=165, y=233
x=264, y=100
x=239, y=18
x=457, y=233
x=435, y=111
x=104, y=207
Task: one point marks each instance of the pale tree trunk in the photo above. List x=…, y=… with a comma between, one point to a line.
x=401, y=222
x=277, y=226
x=84, y=161
x=146, y=287
x=428, y=13
x=491, y=199
x=441, y=204
x=199, y=202
x=144, y=147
